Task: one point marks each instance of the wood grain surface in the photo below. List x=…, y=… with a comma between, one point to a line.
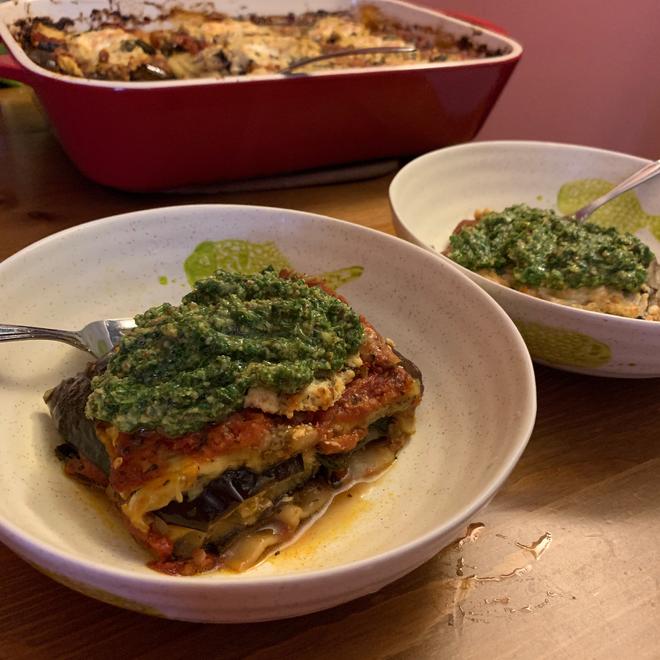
x=587, y=487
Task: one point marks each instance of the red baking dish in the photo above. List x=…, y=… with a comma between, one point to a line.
x=145, y=136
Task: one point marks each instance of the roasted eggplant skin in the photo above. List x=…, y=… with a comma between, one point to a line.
x=66, y=403
x=225, y=492
x=412, y=369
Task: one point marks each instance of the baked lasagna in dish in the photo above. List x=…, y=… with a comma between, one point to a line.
x=540, y=253
x=186, y=44
x=222, y=426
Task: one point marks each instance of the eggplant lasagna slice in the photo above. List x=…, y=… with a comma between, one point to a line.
x=582, y=265
x=221, y=426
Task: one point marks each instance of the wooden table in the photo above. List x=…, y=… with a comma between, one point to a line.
x=590, y=476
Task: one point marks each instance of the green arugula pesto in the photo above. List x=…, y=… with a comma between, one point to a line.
x=189, y=365
x=541, y=249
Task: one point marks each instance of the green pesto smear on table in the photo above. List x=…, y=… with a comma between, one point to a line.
x=541, y=249
x=186, y=366
x=246, y=257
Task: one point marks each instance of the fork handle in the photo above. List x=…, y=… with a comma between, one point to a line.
x=23, y=332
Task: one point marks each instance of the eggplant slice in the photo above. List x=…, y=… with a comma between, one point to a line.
x=66, y=403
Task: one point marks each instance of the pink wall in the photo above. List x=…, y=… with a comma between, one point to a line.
x=590, y=73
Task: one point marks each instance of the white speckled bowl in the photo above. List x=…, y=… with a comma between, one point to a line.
x=473, y=424
x=434, y=192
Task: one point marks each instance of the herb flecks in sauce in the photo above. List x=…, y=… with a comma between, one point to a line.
x=541, y=249
x=335, y=278
x=186, y=366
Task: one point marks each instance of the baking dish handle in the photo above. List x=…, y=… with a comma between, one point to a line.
x=479, y=22
x=12, y=70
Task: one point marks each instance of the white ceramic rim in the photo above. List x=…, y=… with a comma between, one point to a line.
x=527, y=414
x=405, y=171
x=19, y=54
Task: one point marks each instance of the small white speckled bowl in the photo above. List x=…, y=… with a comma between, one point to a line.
x=473, y=424
x=434, y=192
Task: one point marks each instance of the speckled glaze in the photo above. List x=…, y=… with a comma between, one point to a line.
x=475, y=419
x=431, y=194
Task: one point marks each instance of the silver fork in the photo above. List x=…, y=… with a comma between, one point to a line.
x=97, y=337
x=347, y=53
